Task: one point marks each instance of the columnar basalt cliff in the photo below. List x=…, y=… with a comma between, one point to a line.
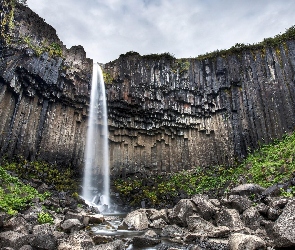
x=44, y=90
x=165, y=114
x=168, y=114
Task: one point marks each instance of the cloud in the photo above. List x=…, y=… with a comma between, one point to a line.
x=187, y=28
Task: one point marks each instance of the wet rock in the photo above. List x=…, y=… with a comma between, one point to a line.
x=239, y=241
x=137, y=219
x=102, y=239
x=229, y=218
x=247, y=189
x=283, y=231
x=95, y=218
x=204, y=207
x=13, y=239
x=145, y=241
x=181, y=211
x=71, y=225
x=115, y=245
x=240, y=203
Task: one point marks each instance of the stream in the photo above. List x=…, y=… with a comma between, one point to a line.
x=109, y=228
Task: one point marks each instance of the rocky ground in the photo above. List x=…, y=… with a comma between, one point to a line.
x=234, y=222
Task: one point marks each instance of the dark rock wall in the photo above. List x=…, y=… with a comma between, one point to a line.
x=43, y=98
x=167, y=115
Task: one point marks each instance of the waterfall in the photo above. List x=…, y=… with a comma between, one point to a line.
x=96, y=183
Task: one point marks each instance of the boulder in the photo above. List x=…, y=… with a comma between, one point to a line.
x=17, y=224
x=71, y=225
x=262, y=209
x=78, y=241
x=283, y=230
x=273, y=213
x=137, y=220
x=44, y=241
x=173, y=231
x=229, y=218
x=181, y=211
x=251, y=217
x=247, y=189
x=204, y=207
x=115, y=245
x=201, y=227
x=154, y=214
x=239, y=241
x=159, y=223
x=71, y=215
x=240, y=203
x=13, y=239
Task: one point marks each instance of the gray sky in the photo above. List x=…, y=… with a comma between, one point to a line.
x=185, y=28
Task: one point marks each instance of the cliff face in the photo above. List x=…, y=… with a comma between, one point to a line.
x=167, y=114
x=44, y=91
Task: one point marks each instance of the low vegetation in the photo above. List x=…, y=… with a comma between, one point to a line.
x=52, y=175
x=15, y=195
x=274, y=42
x=266, y=166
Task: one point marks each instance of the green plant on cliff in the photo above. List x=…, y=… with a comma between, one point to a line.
x=44, y=217
x=14, y=195
x=166, y=56
x=108, y=79
x=61, y=179
x=268, y=165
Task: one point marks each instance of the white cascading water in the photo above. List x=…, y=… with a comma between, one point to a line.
x=96, y=183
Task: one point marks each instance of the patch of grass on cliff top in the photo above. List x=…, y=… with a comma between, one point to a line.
x=275, y=41
x=266, y=166
x=14, y=195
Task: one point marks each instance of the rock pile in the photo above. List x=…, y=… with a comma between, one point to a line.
x=234, y=222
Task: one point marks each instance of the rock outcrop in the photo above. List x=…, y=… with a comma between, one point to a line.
x=44, y=91
x=168, y=114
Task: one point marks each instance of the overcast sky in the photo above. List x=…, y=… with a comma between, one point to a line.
x=185, y=28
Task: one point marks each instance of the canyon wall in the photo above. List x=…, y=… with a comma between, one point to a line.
x=168, y=114
x=165, y=114
x=44, y=91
